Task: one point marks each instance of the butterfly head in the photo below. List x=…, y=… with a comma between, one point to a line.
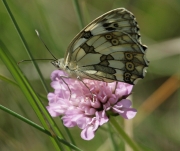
x=59, y=63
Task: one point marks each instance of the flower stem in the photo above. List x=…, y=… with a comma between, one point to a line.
x=126, y=138
x=110, y=129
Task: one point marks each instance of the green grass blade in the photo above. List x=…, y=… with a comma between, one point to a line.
x=36, y=126
x=78, y=13
x=31, y=96
x=3, y=78
x=24, y=43
x=25, y=87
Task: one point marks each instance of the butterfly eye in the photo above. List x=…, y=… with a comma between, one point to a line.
x=128, y=56
x=108, y=37
x=115, y=42
x=58, y=63
x=129, y=66
x=55, y=63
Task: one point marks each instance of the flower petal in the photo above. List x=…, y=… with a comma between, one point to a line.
x=129, y=113
x=88, y=133
x=102, y=117
x=125, y=103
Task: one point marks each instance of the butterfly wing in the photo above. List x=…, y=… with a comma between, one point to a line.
x=109, y=49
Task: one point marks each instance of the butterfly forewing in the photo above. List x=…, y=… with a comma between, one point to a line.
x=108, y=49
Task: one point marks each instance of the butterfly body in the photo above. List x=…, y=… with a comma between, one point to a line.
x=108, y=49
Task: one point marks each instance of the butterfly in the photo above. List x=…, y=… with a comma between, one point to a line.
x=108, y=49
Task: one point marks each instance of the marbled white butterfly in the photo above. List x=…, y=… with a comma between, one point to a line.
x=107, y=49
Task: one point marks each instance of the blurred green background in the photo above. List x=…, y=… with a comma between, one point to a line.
x=157, y=98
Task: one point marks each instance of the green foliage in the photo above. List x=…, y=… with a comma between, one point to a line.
x=57, y=24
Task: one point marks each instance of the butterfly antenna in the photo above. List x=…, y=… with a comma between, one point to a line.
x=33, y=60
x=45, y=44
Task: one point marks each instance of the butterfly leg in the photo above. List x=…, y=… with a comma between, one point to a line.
x=93, y=95
x=115, y=88
x=66, y=85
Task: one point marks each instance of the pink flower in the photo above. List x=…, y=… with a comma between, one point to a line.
x=78, y=108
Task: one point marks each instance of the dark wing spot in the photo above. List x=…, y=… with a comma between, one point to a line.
x=110, y=28
x=86, y=35
x=144, y=47
x=135, y=22
x=129, y=66
x=115, y=42
x=106, y=57
x=91, y=49
x=103, y=57
x=127, y=77
x=109, y=57
x=106, y=24
x=116, y=25
x=105, y=69
x=137, y=28
x=128, y=56
x=104, y=63
x=108, y=37
x=87, y=48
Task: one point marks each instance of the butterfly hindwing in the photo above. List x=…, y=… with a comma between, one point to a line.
x=109, y=49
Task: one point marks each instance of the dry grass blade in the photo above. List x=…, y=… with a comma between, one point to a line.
x=157, y=98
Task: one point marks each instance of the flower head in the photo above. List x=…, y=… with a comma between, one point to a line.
x=74, y=102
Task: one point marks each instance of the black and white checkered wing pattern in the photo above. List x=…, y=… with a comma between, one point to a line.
x=109, y=49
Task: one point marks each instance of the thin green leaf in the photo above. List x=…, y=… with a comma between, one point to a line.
x=3, y=78
x=24, y=43
x=24, y=86
x=36, y=126
x=30, y=95
x=78, y=13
